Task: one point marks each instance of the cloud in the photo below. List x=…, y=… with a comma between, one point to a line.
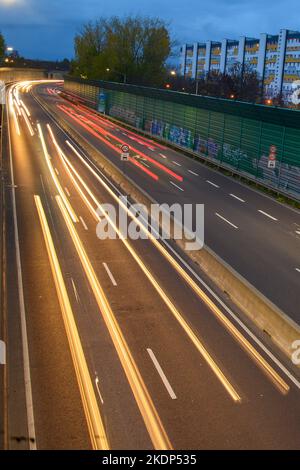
x=195, y=20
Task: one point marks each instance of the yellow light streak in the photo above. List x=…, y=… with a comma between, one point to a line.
x=54, y=177
x=25, y=107
x=151, y=418
x=94, y=421
x=31, y=131
x=249, y=348
x=188, y=330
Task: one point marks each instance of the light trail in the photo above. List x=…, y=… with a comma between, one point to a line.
x=25, y=107
x=113, y=147
x=94, y=421
x=12, y=111
x=144, y=140
x=54, y=177
x=265, y=366
x=188, y=330
x=31, y=131
x=105, y=132
x=148, y=411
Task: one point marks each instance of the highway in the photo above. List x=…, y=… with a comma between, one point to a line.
x=118, y=351
x=254, y=234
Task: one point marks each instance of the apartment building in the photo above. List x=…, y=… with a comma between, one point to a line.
x=275, y=58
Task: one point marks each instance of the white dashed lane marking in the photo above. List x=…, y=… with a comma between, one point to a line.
x=109, y=273
x=227, y=221
x=161, y=374
x=212, y=184
x=176, y=186
x=83, y=223
x=236, y=197
x=267, y=215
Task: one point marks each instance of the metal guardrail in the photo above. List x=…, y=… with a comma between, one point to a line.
x=241, y=137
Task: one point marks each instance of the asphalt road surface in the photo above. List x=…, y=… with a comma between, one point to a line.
x=167, y=367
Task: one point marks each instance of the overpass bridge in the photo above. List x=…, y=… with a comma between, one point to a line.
x=12, y=74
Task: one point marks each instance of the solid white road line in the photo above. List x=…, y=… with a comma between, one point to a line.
x=178, y=187
x=67, y=191
x=298, y=232
x=225, y=220
x=162, y=374
x=162, y=155
x=236, y=197
x=212, y=184
x=75, y=290
x=83, y=223
x=25, y=348
x=175, y=163
x=193, y=172
x=145, y=164
x=297, y=269
x=111, y=277
x=267, y=215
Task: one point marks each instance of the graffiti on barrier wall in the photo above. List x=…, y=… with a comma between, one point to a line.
x=283, y=176
x=127, y=115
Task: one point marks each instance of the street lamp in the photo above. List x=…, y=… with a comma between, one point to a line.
x=120, y=73
x=173, y=73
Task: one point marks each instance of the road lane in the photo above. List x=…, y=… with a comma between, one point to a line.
x=202, y=416
x=270, y=252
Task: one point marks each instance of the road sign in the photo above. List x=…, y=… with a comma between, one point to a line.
x=125, y=148
x=272, y=164
x=124, y=157
x=272, y=156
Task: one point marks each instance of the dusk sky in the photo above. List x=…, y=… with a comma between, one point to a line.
x=45, y=29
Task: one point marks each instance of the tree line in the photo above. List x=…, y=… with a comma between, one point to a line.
x=240, y=83
x=132, y=49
